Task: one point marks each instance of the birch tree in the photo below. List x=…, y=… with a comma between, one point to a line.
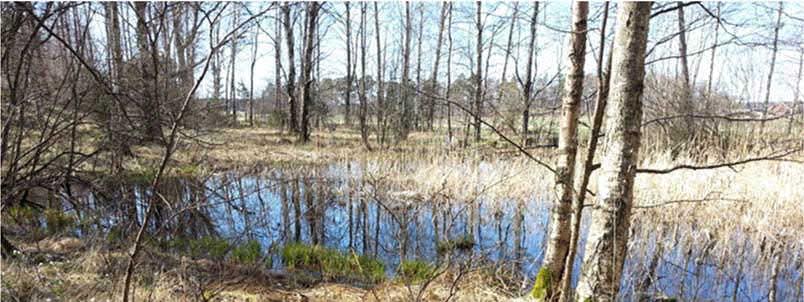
x=608, y=233
x=559, y=237
x=307, y=69
x=293, y=123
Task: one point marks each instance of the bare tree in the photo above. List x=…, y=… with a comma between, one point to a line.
x=307, y=63
x=479, y=71
x=293, y=105
x=774, y=50
x=364, y=131
x=405, y=117
x=559, y=237
x=348, y=93
x=380, y=92
x=527, y=83
x=608, y=232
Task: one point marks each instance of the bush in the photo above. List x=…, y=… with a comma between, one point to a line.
x=464, y=243
x=415, y=271
x=57, y=221
x=332, y=263
x=247, y=253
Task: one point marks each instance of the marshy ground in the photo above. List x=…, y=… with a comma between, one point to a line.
x=251, y=216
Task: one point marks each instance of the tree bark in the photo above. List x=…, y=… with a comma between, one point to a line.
x=687, y=108
x=348, y=94
x=293, y=123
x=278, y=69
x=774, y=50
x=380, y=91
x=559, y=238
x=479, y=72
x=307, y=63
x=251, y=78
x=608, y=233
x=527, y=86
x=434, y=77
x=583, y=181
x=449, y=77
x=364, y=131
x=405, y=118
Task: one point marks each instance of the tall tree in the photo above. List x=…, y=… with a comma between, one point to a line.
x=479, y=71
x=364, y=131
x=433, y=87
x=147, y=58
x=405, y=117
x=449, y=76
x=278, y=67
x=559, y=237
x=293, y=105
x=232, y=61
x=251, y=77
x=527, y=84
x=774, y=50
x=380, y=90
x=417, y=101
x=687, y=107
x=608, y=233
x=307, y=68
x=582, y=181
x=348, y=93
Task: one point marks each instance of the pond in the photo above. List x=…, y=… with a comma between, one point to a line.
x=341, y=206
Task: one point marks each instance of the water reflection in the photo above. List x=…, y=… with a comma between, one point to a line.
x=342, y=207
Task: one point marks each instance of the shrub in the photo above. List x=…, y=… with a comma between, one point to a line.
x=212, y=247
x=247, y=253
x=464, y=243
x=57, y=221
x=415, y=271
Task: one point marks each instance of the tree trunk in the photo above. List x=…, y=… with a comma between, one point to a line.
x=434, y=77
x=774, y=50
x=233, y=61
x=307, y=63
x=449, y=77
x=608, y=233
x=348, y=93
x=364, y=131
x=380, y=91
x=405, y=122
x=251, y=79
x=293, y=123
x=687, y=108
x=150, y=102
x=559, y=238
x=712, y=58
x=417, y=101
x=582, y=183
x=527, y=89
x=278, y=70
x=479, y=73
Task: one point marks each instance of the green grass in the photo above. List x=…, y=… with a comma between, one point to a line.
x=247, y=253
x=331, y=263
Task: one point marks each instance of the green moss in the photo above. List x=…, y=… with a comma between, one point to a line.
x=247, y=253
x=332, y=263
x=415, y=271
x=541, y=288
x=464, y=243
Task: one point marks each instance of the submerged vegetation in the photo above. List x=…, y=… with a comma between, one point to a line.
x=333, y=264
